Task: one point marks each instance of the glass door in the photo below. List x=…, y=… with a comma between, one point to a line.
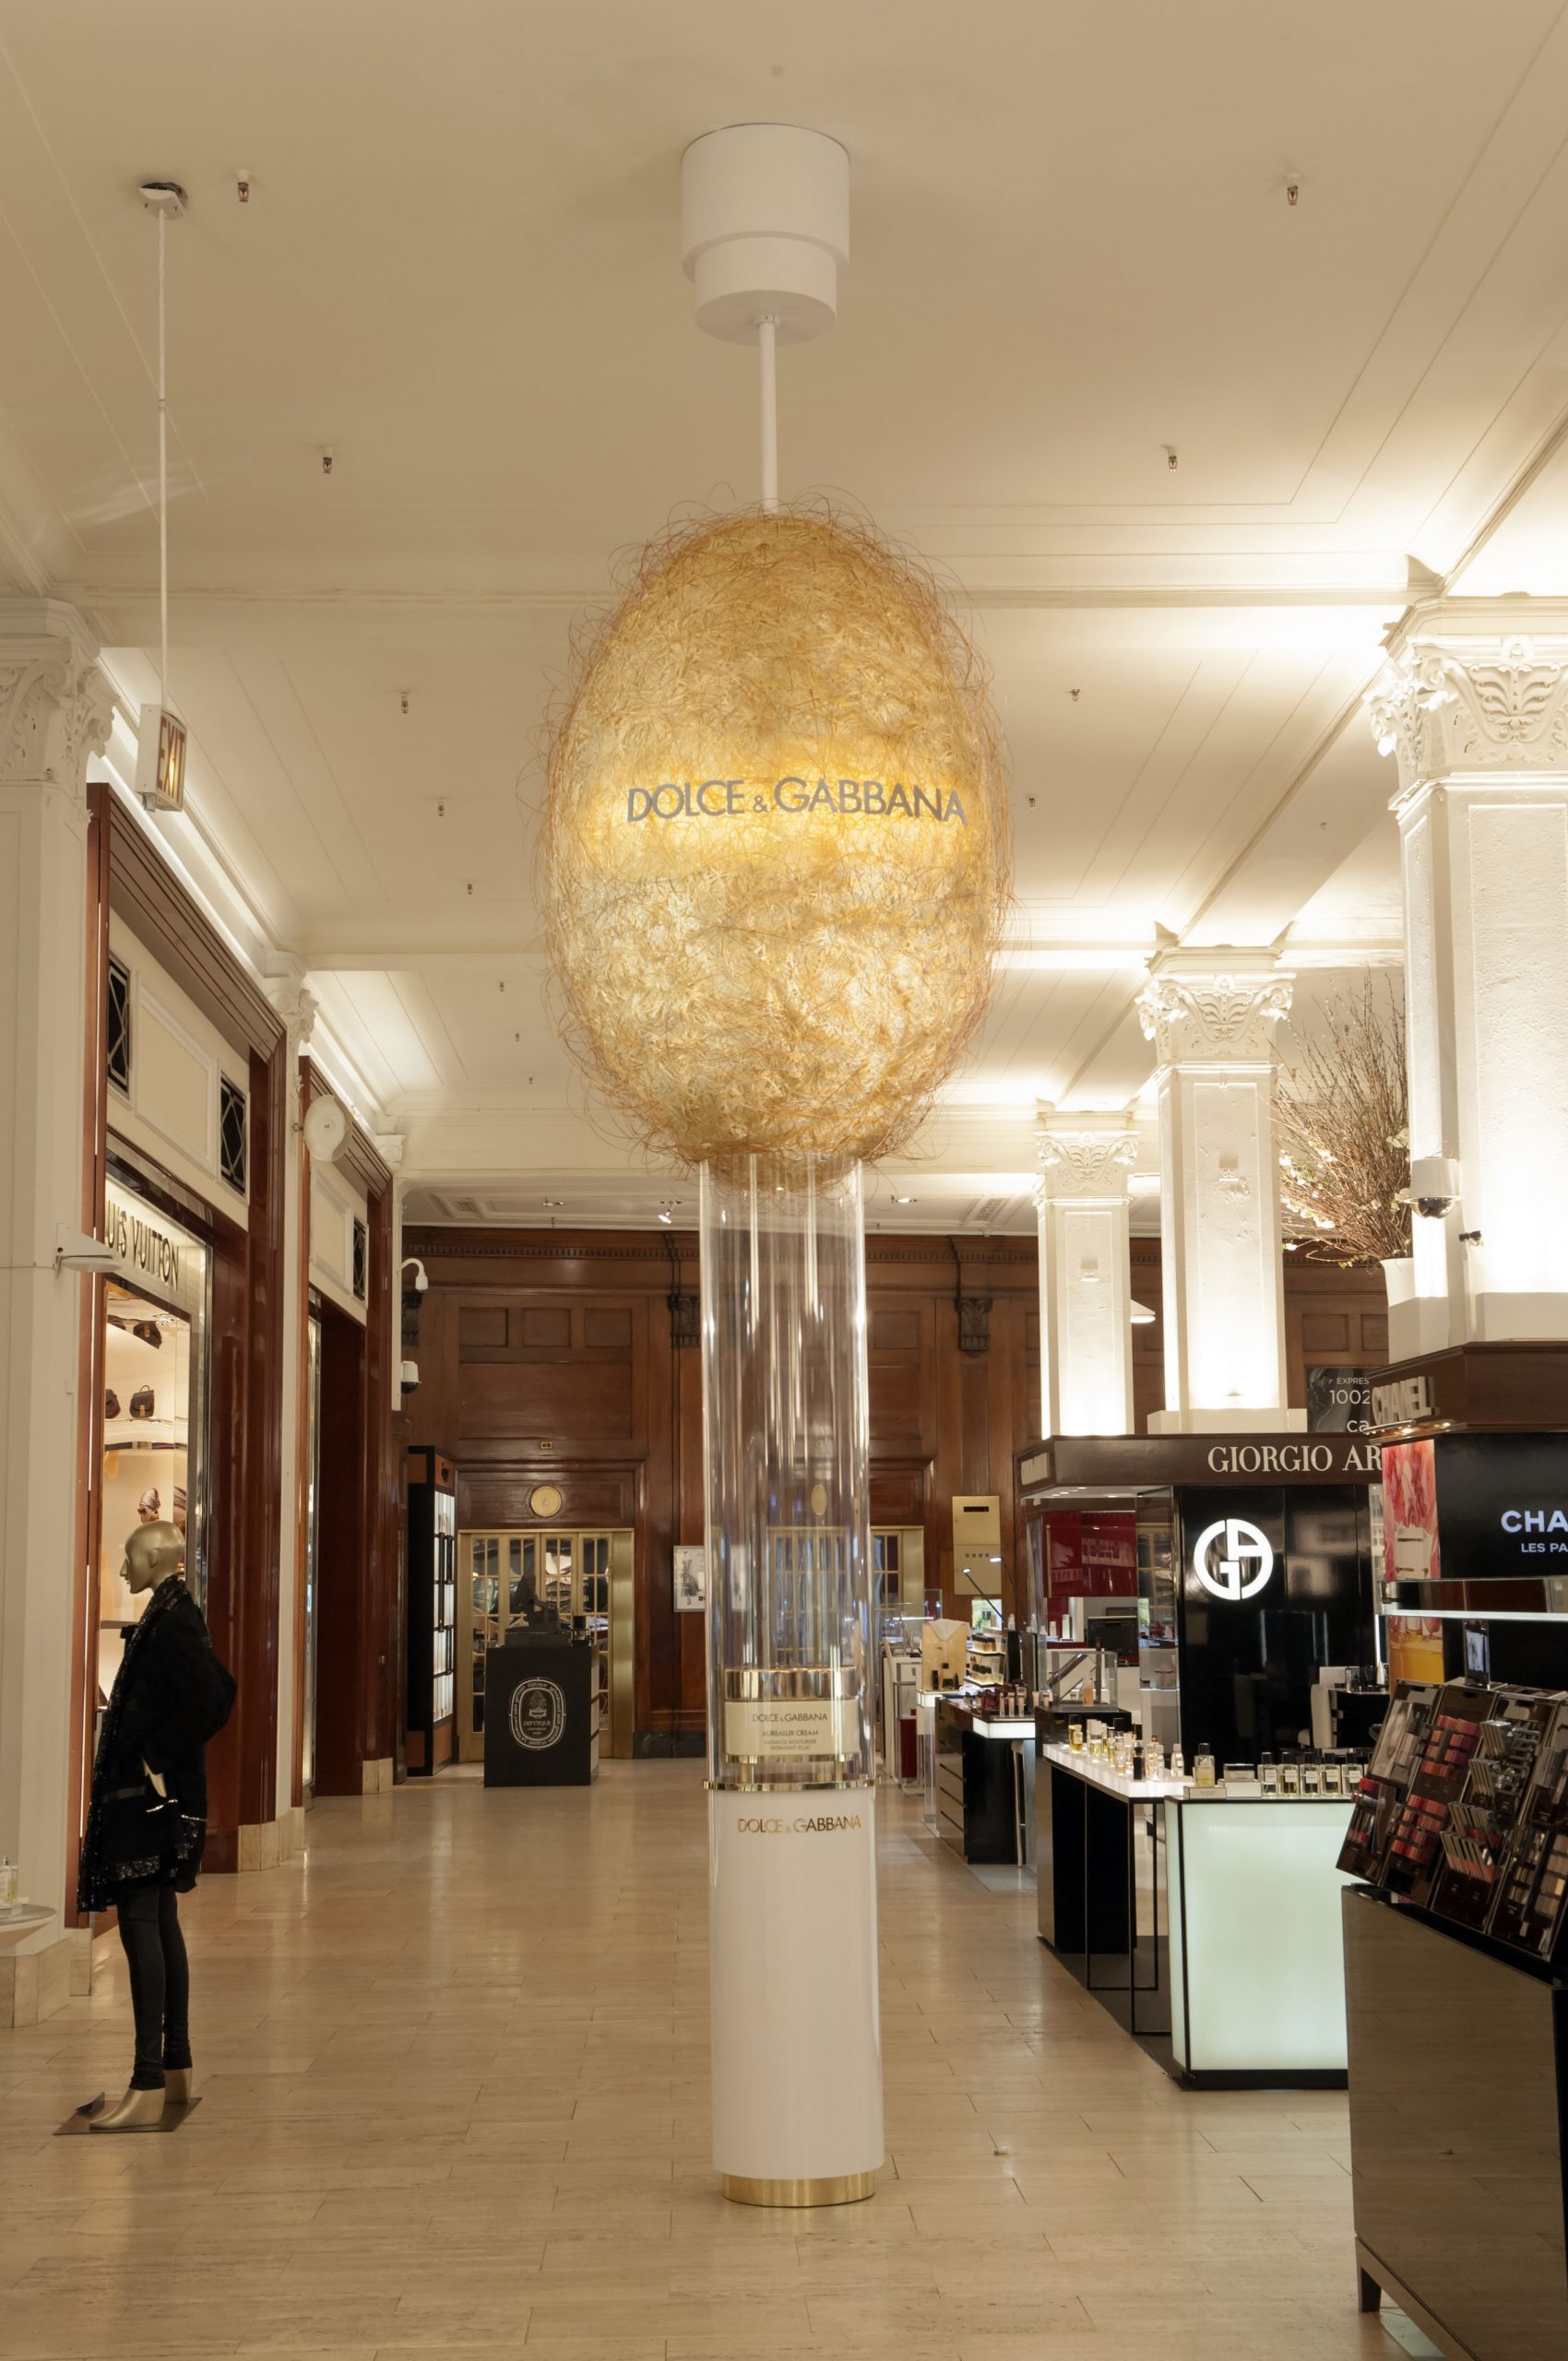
x=585, y=1577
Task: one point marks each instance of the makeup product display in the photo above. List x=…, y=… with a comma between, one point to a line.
x=1464, y=1809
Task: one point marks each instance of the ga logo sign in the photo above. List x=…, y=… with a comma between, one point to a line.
x=1232, y=1558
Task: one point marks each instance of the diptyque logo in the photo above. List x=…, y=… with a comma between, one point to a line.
x=734, y=799
x=1244, y=1563
x=537, y=1716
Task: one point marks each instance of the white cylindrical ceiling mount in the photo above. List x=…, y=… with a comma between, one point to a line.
x=764, y=229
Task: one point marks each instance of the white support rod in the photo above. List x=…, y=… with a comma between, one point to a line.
x=766, y=345
x=163, y=475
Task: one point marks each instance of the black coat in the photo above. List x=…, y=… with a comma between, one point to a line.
x=169, y=1696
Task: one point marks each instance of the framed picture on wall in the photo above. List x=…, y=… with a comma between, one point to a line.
x=1338, y=1400
x=690, y=1578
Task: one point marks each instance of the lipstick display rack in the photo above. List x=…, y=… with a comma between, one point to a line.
x=1464, y=1810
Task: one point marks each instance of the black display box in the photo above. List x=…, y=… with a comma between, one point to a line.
x=541, y=1714
x=1458, y=2080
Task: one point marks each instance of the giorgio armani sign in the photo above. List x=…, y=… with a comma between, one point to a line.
x=1129, y=1461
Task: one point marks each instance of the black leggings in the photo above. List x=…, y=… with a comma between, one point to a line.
x=160, y=1981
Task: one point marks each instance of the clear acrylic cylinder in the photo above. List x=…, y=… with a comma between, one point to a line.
x=787, y=1444
x=797, y=2064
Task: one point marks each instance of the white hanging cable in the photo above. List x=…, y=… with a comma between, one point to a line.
x=162, y=474
x=766, y=345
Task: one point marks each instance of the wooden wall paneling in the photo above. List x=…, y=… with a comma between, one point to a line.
x=942, y=1422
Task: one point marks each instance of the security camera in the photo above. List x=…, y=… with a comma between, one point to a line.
x=421, y=1277
x=75, y=1251
x=409, y=1375
x=1434, y=1186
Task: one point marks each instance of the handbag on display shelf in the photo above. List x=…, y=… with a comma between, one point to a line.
x=142, y=1401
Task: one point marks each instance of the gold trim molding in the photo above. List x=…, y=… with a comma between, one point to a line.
x=836, y=2189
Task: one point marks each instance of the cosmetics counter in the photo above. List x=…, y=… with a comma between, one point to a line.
x=1455, y=1947
x=1204, y=1918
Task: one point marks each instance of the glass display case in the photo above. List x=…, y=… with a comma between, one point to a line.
x=153, y=1357
x=431, y=1607
x=1156, y=1593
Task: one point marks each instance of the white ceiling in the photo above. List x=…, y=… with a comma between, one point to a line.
x=458, y=267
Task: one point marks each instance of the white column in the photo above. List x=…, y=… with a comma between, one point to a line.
x=1085, y=1337
x=1212, y=1016
x=1474, y=703
x=55, y=711
x=296, y=1006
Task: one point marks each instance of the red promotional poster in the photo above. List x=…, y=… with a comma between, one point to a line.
x=1409, y=1512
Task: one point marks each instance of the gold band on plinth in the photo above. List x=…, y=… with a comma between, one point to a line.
x=837, y=2188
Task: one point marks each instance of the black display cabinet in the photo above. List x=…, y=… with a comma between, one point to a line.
x=1458, y=2111
x=541, y=1714
x=432, y=1609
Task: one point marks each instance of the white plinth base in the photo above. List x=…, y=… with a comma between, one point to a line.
x=1227, y=1422
x=797, y=2046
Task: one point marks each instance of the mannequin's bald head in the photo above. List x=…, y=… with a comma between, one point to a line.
x=153, y=1552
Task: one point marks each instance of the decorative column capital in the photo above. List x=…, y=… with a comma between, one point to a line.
x=1086, y=1156
x=1468, y=692
x=56, y=708
x=1219, y=1007
x=295, y=1003
x=391, y=1147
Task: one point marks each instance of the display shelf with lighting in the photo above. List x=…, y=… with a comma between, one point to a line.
x=432, y=1609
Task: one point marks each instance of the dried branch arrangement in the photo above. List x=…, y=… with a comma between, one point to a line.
x=1343, y=1127
x=777, y=843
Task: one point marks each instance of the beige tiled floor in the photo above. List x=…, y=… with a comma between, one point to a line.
x=454, y=2070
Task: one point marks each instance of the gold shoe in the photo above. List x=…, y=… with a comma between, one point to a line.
x=137, y=2111
x=177, y=2084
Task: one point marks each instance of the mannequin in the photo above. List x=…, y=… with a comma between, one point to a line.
x=148, y=1820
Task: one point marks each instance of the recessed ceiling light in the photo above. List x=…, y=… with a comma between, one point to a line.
x=901, y=1201
x=553, y=1200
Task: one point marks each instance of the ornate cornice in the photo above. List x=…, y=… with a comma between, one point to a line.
x=1442, y=705
x=1215, y=1018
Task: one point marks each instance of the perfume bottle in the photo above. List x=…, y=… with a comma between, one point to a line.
x=1178, y=1762
x=1203, y=1766
x=1268, y=1774
x=1290, y=1777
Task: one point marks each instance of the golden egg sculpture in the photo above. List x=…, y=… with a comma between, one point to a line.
x=777, y=844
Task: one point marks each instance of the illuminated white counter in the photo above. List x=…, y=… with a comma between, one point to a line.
x=1207, y=1924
